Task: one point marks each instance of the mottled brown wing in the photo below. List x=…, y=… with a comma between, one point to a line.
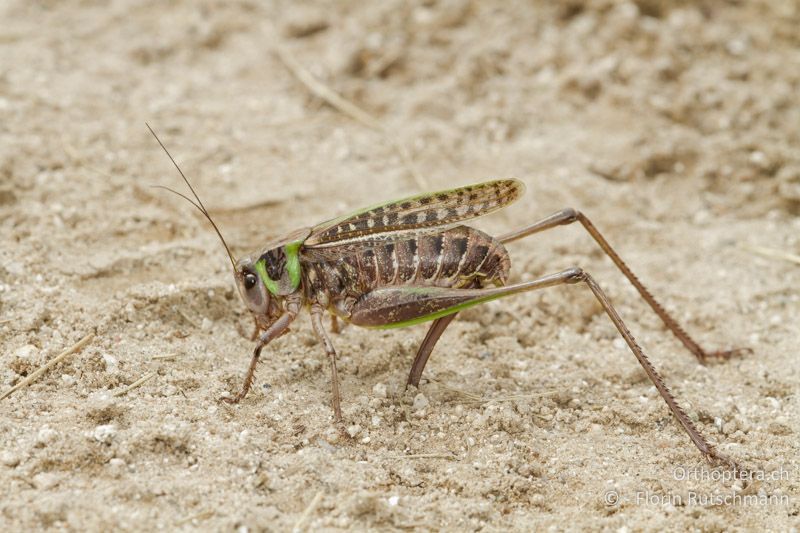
x=417, y=214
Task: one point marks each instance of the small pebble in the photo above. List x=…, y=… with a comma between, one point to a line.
x=379, y=390
x=332, y=435
x=354, y=430
x=45, y=480
x=14, y=267
x=206, y=324
x=117, y=466
x=304, y=22
x=110, y=362
x=9, y=459
x=104, y=433
x=261, y=480
x=27, y=351
x=394, y=500
x=45, y=436
x=420, y=402
x=774, y=402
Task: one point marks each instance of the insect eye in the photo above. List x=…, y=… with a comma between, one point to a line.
x=249, y=281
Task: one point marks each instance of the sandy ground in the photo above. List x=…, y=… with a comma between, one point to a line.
x=674, y=125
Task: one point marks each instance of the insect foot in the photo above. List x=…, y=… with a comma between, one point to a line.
x=715, y=458
x=723, y=355
x=574, y=275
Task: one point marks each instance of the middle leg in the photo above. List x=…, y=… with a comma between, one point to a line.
x=316, y=321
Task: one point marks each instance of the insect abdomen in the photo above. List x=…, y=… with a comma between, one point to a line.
x=459, y=257
x=452, y=258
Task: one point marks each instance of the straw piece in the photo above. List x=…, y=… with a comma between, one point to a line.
x=348, y=108
x=202, y=515
x=300, y=524
x=425, y=456
x=772, y=252
x=137, y=383
x=167, y=356
x=188, y=319
x=50, y=364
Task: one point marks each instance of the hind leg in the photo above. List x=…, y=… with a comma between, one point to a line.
x=425, y=349
x=568, y=216
x=561, y=218
x=391, y=306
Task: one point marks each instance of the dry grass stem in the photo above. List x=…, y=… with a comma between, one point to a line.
x=167, y=356
x=300, y=524
x=188, y=319
x=449, y=456
x=773, y=253
x=138, y=383
x=50, y=364
x=202, y=515
x=348, y=108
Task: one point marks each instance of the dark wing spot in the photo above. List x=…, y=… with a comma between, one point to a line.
x=409, y=219
x=406, y=205
x=425, y=200
x=361, y=225
x=431, y=216
x=442, y=197
x=451, y=212
x=481, y=251
x=369, y=268
x=460, y=244
x=438, y=244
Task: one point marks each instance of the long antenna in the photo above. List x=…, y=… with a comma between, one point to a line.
x=199, y=205
x=173, y=191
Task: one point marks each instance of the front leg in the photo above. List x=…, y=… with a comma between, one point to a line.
x=256, y=329
x=277, y=329
x=316, y=321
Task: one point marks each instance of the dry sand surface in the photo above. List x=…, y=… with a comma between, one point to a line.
x=673, y=125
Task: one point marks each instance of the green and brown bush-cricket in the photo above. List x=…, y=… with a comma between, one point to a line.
x=410, y=261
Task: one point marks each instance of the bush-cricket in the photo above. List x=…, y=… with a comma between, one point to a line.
x=409, y=261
